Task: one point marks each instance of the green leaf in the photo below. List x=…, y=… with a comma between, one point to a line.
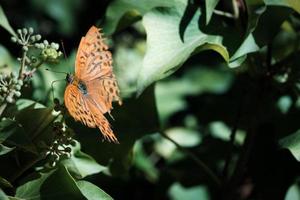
x=12, y=132
x=129, y=10
x=3, y=195
x=248, y=46
x=178, y=192
x=166, y=51
x=294, y=4
x=4, y=149
x=210, y=6
x=81, y=165
x=31, y=189
x=5, y=24
x=92, y=192
x=60, y=185
x=5, y=183
x=292, y=143
x=144, y=163
x=293, y=192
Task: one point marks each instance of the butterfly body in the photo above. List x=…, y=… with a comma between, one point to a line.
x=71, y=79
x=92, y=89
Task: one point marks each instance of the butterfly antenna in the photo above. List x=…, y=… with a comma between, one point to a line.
x=50, y=70
x=63, y=48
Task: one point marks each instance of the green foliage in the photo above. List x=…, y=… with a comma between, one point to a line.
x=210, y=101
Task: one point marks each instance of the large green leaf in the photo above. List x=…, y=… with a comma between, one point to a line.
x=31, y=189
x=292, y=143
x=5, y=24
x=294, y=4
x=92, y=192
x=130, y=11
x=167, y=51
x=81, y=165
x=60, y=185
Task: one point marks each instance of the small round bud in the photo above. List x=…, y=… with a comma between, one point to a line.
x=38, y=37
x=46, y=43
x=17, y=93
x=18, y=87
x=13, y=74
x=19, y=31
x=56, y=101
x=68, y=149
x=73, y=142
x=4, y=89
x=30, y=30
x=25, y=48
x=24, y=31
x=20, y=82
x=52, y=164
x=13, y=39
x=32, y=38
x=14, y=80
x=19, y=41
x=9, y=99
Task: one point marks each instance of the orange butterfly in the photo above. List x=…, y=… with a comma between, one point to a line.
x=91, y=91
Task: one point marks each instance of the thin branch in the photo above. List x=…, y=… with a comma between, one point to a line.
x=199, y=162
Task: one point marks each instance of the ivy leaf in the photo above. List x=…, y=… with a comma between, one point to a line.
x=210, y=5
x=294, y=4
x=4, y=149
x=81, y=165
x=5, y=24
x=92, y=192
x=292, y=143
x=31, y=189
x=124, y=12
x=166, y=51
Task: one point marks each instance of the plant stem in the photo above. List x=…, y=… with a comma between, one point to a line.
x=199, y=162
x=2, y=108
x=22, y=68
x=232, y=138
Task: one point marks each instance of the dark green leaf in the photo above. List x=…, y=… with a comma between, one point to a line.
x=60, y=185
x=4, y=149
x=210, y=6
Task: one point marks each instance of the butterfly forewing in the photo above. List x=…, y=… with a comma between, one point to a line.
x=93, y=60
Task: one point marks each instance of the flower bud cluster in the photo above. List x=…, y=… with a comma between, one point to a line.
x=61, y=147
x=10, y=88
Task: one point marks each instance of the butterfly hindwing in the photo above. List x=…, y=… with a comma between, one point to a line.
x=84, y=109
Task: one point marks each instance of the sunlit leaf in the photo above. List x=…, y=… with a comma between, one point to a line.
x=178, y=192
x=5, y=24
x=91, y=191
x=294, y=4
x=81, y=165
x=130, y=11
x=292, y=143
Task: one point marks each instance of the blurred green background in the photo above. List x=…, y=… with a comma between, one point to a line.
x=211, y=101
